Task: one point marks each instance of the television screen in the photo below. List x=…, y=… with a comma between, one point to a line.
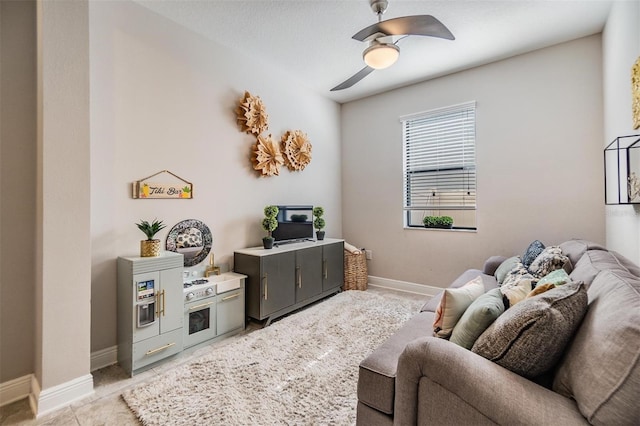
x=294, y=223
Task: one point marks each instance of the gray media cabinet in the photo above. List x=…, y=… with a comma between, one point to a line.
x=289, y=276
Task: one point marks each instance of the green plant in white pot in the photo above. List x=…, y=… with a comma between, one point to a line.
x=150, y=247
x=319, y=222
x=269, y=224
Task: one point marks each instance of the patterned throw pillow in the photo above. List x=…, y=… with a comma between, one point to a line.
x=530, y=337
x=548, y=261
x=517, y=273
x=557, y=277
x=478, y=316
x=452, y=305
x=533, y=251
x=506, y=267
x=518, y=292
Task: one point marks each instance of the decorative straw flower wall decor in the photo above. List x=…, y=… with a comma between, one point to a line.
x=266, y=156
x=297, y=150
x=252, y=114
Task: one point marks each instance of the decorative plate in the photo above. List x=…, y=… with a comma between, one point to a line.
x=192, y=238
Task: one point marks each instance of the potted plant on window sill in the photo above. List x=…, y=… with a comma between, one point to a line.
x=319, y=222
x=150, y=247
x=269, y=224
x=442, y=222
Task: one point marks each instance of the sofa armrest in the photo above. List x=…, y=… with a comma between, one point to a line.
x=492, y=263
x=439, y=382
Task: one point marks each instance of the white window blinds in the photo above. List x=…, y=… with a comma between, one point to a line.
x=440, y=159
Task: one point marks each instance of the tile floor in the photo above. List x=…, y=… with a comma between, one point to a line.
x=105, y=406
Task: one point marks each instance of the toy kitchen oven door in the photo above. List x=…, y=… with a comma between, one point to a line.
x=199, y=312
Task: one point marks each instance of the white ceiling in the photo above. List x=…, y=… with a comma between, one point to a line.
x=311, y=40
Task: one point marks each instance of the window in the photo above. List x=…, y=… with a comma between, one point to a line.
x=440, y=165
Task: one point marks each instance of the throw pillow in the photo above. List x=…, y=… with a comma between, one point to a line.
x=540, y=289
x=478, y=316
x=515, y=275
x=557, y=277
x=549, y=260
x=518, y=292
x=533, y=251
x=452, y=305
x=530, y=337
x=505, y=267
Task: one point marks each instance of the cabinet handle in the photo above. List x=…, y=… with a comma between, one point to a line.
x=299, y=274
x=233, y=296
x=266, y=286
x=161, y=348
x=325, y=271
x=163, y=306
x=204, y=305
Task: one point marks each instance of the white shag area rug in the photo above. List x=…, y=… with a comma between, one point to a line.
x=301, y=370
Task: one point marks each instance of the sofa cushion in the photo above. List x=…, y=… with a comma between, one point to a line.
x=505, y=267
x=574, y=249
x=453, y=304
x=601, y=368
x=489, y=282
x=533, y=251
x=592, y=262
x=549, y=260
x=377, y=375
x=477, y=318
x=530, y=337
x=631, y=267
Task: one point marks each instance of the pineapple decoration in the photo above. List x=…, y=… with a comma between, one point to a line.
x=297, y=150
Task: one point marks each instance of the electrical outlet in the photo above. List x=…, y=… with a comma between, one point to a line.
x=369, y=254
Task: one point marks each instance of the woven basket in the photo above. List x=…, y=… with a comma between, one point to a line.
x=355, y=271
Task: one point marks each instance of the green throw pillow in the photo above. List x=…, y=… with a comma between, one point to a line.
x=478, y=316
x=505, y=267
x=557, y=277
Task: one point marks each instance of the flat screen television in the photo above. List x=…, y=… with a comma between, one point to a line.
x=295, y=223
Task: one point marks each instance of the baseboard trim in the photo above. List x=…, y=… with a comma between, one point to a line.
x=15, y=390
x=61, y=395
x=104, y=358
x=405, y=286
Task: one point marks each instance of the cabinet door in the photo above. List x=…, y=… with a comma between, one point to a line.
x=277, y=280
x=171, y=303
x=332, y=266
x=308, y=273
x=230, y=311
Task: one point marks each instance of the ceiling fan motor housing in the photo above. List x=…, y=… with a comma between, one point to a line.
x=379, y=6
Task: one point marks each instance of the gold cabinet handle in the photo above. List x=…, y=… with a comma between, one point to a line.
x=161, y=348
x=204, y=305
x=266, y=286
x=233, y=296
x=163, y=303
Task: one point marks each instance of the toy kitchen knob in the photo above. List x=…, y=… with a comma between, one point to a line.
x=209, y=291
x=190, y=296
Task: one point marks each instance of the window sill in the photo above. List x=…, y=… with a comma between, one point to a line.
x=422, y=228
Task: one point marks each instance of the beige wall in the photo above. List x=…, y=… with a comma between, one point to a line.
x=164, y=98
x=17, y=180
x=621, y=48
x=539, y=163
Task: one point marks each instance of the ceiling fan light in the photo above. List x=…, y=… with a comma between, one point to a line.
x=381, y=55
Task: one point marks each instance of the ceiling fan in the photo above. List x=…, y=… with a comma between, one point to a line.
x=383, y=51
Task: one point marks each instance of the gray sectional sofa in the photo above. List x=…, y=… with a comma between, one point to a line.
x=415, y=378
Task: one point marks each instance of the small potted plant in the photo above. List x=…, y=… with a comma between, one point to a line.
x=150, y=247
x=319, y=222
x=269, y=224
x=444, y=222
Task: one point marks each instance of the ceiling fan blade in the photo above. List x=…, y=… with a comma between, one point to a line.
x=424, y=25
x=354, y=79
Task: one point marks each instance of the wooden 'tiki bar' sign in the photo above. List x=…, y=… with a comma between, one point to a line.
x=144, y=188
